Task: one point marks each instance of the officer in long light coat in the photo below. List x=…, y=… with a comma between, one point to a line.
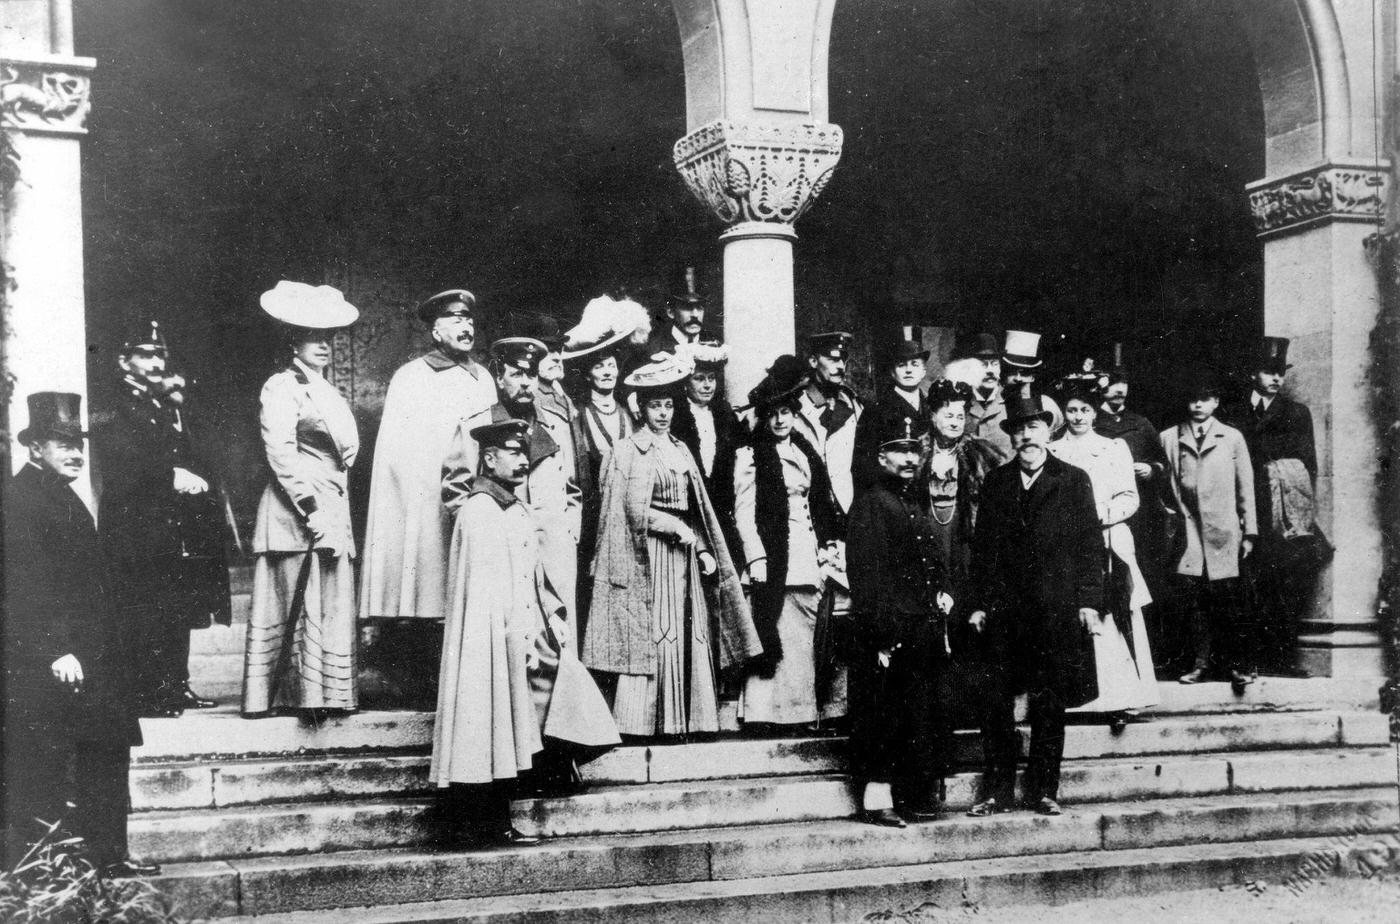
x=550, y=489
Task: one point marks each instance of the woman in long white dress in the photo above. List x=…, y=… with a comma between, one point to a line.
x=1123, y=661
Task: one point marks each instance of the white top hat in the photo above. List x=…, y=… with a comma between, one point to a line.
x=1022, y=349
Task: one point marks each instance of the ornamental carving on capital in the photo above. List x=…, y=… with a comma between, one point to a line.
x=36, y=96
x=1332, y=192
x=758, y=173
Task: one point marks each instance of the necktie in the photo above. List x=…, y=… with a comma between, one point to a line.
x=1259, y=409
x=1200, y=438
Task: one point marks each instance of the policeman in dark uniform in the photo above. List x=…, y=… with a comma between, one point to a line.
x=69, y=718
x=162, y=524
x=900, y=672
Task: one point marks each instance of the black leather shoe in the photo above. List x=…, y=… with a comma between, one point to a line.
x=1195, y=675
x=162, y=710
x=924, y=811
x=885, y=818
x=988, y=807
x=1048, y=806
x=130, y=869
x=192, y=700
x=513, y=838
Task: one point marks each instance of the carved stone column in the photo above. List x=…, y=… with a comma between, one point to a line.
x=758, y=178
x=1320, y=292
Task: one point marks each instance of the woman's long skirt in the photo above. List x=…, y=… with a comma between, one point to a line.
x=789, y=696
x=309, y=663
x=659, y=705
x=1125, y=681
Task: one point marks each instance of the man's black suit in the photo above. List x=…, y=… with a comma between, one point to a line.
x=1280, y=580
x=61, y=746
x=1037, y=559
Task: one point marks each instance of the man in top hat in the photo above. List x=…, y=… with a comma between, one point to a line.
x=403, y=577
x=1036, y=588
x=1279, y=433
x=900, y=399
x=510, y=681
x=162, y=524
x=1212, y=485
x=978, y=363
x=1020, y=367
x=69, y=711
x=829, y=411
x=549, y=488
x=899, y=665
x=685, y=311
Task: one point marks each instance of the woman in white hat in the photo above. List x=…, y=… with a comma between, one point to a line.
x=301, y=652
x=658, y=535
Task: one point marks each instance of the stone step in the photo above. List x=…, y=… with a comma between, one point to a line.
x=214, y=783
x=308, y=827
x=1088, y=835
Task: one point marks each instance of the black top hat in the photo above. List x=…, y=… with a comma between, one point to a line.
x=687, y=294
x=1273, y=355
x=458, y=302
x=827, y=341
x=145, y=335
x=1024, y=405
x=906, y=350
x=510, y=434
x=54, y=415
x=522, y=353
x=978, y=346
x=785, y=380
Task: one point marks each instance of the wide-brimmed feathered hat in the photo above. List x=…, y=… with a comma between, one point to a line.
x=704, y=355
x=784, y=382
x=311, y=307
x=663, y=373
x=606, y=322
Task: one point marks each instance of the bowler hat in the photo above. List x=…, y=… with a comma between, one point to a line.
x=54, y=415
x=522, y=353
x=502, y=433
x=1273, y=355
x=1204, y=384
x=458, y=302
x=979, y=346
x=1024, y=405
x=547, y=330
x=906, y=350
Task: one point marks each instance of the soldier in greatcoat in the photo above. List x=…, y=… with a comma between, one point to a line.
x=69, y=710
x=509, y=676
x=1036, y=591
x=162, y=524
x=403, y=576
x=1279, y=433
x=900, y=665
x=549, y=489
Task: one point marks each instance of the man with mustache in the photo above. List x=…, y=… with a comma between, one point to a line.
x=549, y=488
x=685, y=309
x=162, y=523
x=900, y=668
x=507, y=652
x=829, y=411
x=1036, y=589
x=403, y=578
x=69, y=711
x=980, y=366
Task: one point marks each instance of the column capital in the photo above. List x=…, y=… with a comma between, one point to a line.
x=49, y=95
x=1335, y=191
x=767, y=173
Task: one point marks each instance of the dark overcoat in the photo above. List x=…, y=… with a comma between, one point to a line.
x=730, y=434
x=58, y=601
x=1283, y=431
x=1037, y=559
x=888, y=415
x=167, y=547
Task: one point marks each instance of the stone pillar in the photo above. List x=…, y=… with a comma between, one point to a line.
x=758, y=179
x=44, y=101
x=758, y=153
x=1320, y=292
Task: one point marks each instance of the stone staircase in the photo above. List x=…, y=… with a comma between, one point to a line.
x=275, y=818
